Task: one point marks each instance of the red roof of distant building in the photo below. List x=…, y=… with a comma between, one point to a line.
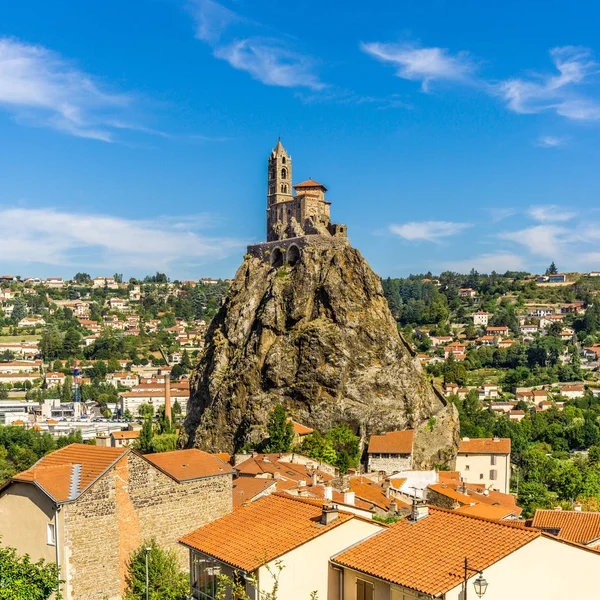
x=309, y=183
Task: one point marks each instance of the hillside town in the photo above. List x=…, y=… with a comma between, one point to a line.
x=95, y=385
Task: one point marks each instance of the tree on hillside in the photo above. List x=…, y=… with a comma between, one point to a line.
x=552, y=270
x=21, y=579
x=19, y=310
x=82, y=278
x=144, y=442
x=281, y=431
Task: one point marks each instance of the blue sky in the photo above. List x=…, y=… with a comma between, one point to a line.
x=134, y=135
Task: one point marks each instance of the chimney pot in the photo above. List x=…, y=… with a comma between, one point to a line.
x=329, y=514
x=328, y=492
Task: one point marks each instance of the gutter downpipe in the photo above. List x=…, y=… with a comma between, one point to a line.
x=56, y=534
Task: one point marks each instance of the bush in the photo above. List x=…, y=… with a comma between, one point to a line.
x=165, y=579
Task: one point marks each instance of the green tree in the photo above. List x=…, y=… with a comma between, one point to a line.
x=533, y=495
x=166, y=581
x=346, y=446
x=319, y=447
x=146, y=411
x=22, y=579
x=19, y=310
x=281, y=431
x=144, y=442
x=552, y=270
x=3, y=392
x=82, y=278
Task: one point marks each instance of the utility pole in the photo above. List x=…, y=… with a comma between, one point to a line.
x=147, y=550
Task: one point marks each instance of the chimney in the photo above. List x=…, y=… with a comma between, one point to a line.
x=168, y=395
x=393, y=507
x=349, y=497
x=315, y=479
x=329, y=514
x=302, y=483
x=419, y=510
x=328, y=493
x=577, y=508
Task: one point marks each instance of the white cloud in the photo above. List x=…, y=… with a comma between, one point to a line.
x=541, y=240
x=549, y=141
x=430, y=231
x=423, y=64
x=486, y=263
x=550, y=213
x=271, y=62
x=61, y=238
x=499, y=214
x=39, y=87
x=558, y=93
x=212, y=19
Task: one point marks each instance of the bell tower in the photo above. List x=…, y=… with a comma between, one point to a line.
x=279, y=191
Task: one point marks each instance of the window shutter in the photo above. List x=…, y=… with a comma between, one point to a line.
x=360, y=589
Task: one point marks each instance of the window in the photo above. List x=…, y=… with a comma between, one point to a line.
x=480, y=475
x=51, y=534
x=364, y=590
x=493, y=474
x=283, y=159
x=467, y=467
x=284, y=173
x=493, y=459
x=205, y=576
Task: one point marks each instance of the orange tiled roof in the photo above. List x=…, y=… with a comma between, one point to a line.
x=488, y=511
x=126, y=435
x=309, y=183
x=253, y=535
x=484, y=446
x=436, y=545
x=247, y=488
x=570, y=525
x=300, y=429
x=59, y=475
x=185, y=465
x=271, y=464
x=370, y=492
x=394, y=442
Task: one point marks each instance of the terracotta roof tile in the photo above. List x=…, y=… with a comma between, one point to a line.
x=248, y=538
x=374, y=494
x=57, y=472
x=486, y=510
x=271, y=464
x=300, y=429
x=126, y=435
x=394, y=442
x=484, y=446
x=185, y=465
x=247, y=488
x=570, y=525
x=436, y=546
x=309, y=183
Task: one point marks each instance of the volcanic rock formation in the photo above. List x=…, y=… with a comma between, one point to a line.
x=318, y=337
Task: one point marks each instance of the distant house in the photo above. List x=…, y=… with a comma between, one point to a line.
x=117, y=303
x=31, y=322
x=54, y=379
x=557, y=278
x=391, y=452
x=467, y=293
x=54, y=282
x=500, y=331
x=572, y=391
x=481, y=318
x=485, y=461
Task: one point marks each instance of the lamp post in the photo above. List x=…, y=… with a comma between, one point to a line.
x=480, y=584
x=147, y=550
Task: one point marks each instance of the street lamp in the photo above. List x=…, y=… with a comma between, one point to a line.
x=480, y=584
x=147, y=550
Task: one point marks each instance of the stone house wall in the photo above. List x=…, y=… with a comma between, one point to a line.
x=437, y=499
x=132, y=502
x=393, y=464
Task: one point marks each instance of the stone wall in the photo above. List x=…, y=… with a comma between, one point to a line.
x=437, y=499
x=132, y=502
x=393, y=464
x=264, y=250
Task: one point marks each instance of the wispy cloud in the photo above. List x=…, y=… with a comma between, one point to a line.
x=549, y=141
x=540, y=240
x=486, y=263
x=271, y=60
x=499, y=214
x=559, y=92
x=61, y=238
x=40, y=88
x=423, y=64
x=430, y=231
x=551, y=213
x=212, y=19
